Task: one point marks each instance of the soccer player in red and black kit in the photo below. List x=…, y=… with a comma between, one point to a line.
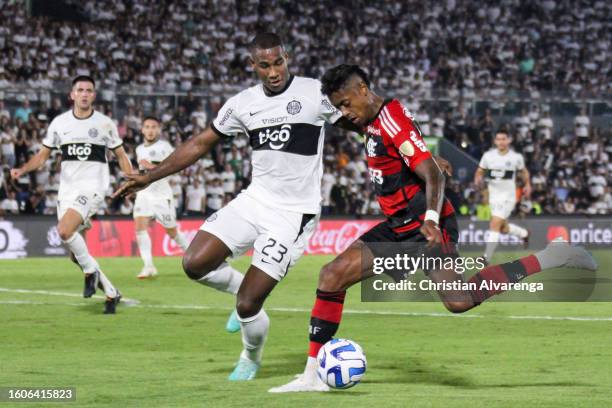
x=410, y=189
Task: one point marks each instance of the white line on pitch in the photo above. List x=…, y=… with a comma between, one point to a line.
x=127, y=301
x=136, y=303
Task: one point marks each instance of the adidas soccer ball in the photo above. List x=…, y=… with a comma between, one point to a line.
x=341, y=363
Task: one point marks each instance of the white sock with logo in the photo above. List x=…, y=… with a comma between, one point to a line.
x=144, y=246
x=491, y=244
x=181, y=241
x=224, y=278
x=254, y=334
x=76, y=244
x=517, y=231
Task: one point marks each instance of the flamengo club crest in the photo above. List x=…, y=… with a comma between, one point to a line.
x=294, y=107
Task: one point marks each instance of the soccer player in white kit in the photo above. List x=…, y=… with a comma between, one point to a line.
x=83, y=135
x=283, y=117
x=155, y=201
x=500, y=166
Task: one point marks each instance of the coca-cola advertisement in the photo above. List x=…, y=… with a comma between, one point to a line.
x=118, y=237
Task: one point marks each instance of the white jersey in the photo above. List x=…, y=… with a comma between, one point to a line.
x=500, y=170
x=155, y=153
x=83, y=143
x=286, y=134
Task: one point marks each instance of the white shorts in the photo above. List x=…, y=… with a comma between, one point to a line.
x=85, y=203
x=162, y=209
x=278, y=237
x=502, y=208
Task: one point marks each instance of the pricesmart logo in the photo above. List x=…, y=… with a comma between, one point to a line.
x=475, y=235
x=590, y=234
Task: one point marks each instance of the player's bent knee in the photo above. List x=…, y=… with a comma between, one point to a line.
x=331, y=276
x=64, y=233
x=247, y=307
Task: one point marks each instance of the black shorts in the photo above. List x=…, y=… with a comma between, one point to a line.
x=384, y=242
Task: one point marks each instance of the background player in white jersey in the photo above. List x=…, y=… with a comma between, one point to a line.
x=500, y=167
x=83, y=135
x=283, y=117
x=157, y=200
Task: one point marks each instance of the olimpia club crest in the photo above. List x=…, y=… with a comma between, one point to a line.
x=294, y=107
x=93, y=133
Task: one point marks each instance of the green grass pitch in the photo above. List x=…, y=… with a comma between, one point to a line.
x=171, y=349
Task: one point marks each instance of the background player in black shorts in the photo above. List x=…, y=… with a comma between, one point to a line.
x=410, y=190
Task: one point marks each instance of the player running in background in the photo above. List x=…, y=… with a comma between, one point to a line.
x=83, y=135
x=157, y=200
x=500, y=166
x=409, y=186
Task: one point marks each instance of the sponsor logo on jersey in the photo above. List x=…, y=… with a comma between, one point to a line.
x=93, y=133
x=328, y=105
x=226, y=116
x=84, y=152
x=294, y=107
x=373, y=130
x=417, y=142
x=279, y=119
x=81, y=152
x=276, y=138
x=408, y=114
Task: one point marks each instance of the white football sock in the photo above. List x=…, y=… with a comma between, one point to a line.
x=181, y=241
x=109, y=289
x=224, y=278
x=517, y=231
x=310, y=372
x=492, y=242
x=76, y=244
x=144, y=246
x=254, y=334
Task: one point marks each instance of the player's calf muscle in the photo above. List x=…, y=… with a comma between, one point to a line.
x=341, y=273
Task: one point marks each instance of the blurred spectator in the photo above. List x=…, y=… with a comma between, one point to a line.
x=10, y=205
x=195, y=202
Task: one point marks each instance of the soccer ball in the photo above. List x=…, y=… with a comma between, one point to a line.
x=341, y=363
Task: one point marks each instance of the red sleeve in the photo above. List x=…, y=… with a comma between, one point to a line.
x=397, y=123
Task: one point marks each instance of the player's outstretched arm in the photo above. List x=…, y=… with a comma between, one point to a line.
x=184, y=156
x=526, y=183
x=434, y=179
x=34, y=163
x=124, y=161
x=478, y=176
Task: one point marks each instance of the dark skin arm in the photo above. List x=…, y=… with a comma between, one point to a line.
x=434, y=179
x=184, y=156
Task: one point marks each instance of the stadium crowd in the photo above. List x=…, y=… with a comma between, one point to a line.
x=458, y=49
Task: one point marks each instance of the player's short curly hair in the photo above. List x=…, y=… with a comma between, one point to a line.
x=335, y=78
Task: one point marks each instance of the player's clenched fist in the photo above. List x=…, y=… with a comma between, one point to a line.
x=432, y=233
x=16, y=173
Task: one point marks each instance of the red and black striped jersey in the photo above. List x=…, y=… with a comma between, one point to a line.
x=394, y=148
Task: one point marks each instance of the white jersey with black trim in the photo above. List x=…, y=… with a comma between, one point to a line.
x=500, y=172
x=83, y=143
x=155, y=153
x=286, y=132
